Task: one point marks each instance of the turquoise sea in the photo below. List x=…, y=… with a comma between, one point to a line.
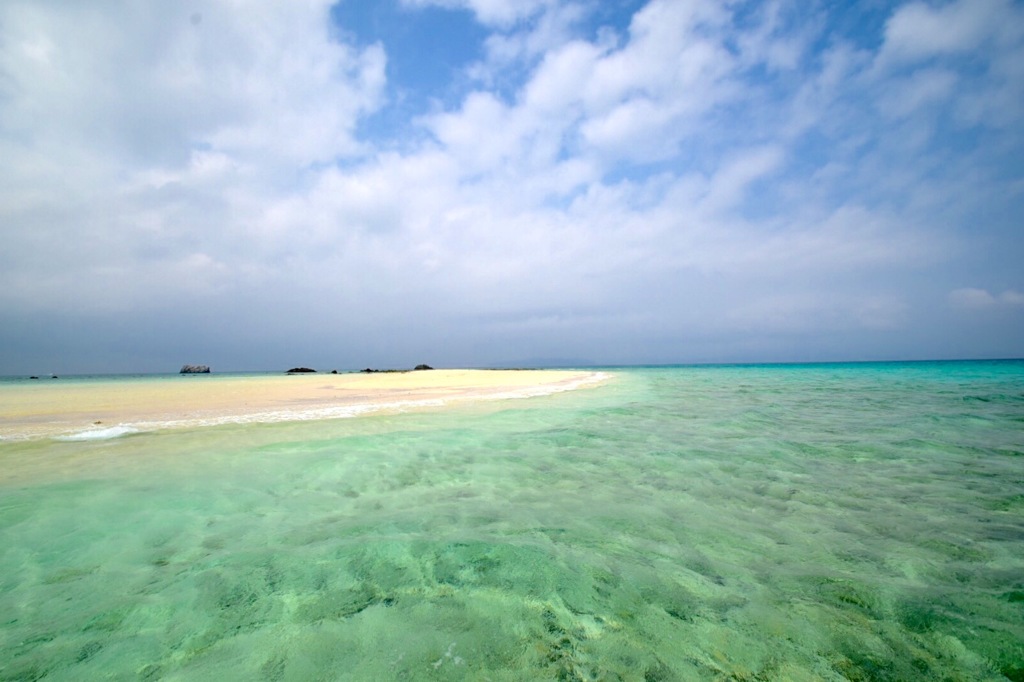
x=787, y=522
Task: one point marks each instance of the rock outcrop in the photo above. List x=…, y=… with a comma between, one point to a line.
x=195, y=369
x=300, y=370
x=394, y=371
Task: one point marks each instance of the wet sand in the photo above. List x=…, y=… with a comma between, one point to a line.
x=61, y=408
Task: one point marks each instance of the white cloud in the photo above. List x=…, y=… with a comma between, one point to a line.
x=730, y=181
x=685, y=174
x=971, y=299
x=552, y=29
x=810, y=312
x=264, y=82
x=674, y=55
x=918, y=31
x=554, y=87
x=998, y=99
x=482, y=136
x=633, y=103
x=1012, y=297
x=968, y=49
x=974, y=299
x=906, y=95
x=152, y=141
x=490, y=12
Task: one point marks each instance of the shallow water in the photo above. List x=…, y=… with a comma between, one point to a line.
x=829, y=522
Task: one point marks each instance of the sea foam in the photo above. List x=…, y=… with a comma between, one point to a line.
x=100, y=434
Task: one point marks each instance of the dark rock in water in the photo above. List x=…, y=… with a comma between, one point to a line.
x=300, y=370
x=33, y=377
x=195, y=369
x=334, y=371
x=392, y=371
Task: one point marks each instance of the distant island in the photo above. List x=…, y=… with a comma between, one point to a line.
x=377, y=371
x=368, y=370
x=205, y=369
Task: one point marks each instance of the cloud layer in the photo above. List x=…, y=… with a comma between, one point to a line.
x=690, y=181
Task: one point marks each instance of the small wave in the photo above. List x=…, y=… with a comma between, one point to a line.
x=293, y=415
x=100, y=434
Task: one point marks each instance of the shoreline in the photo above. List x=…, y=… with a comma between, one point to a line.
x=105, y=408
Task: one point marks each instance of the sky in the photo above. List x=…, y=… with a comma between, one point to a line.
x=380, y=183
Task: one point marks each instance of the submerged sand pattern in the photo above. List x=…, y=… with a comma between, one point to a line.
x=726, y=524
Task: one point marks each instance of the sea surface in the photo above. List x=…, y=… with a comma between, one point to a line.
x=786, y=522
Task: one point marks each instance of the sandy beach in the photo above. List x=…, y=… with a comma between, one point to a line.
x=68, y=408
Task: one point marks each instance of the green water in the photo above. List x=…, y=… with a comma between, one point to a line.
x=832, y=522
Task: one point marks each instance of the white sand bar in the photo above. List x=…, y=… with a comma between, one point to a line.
x=99, y=408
